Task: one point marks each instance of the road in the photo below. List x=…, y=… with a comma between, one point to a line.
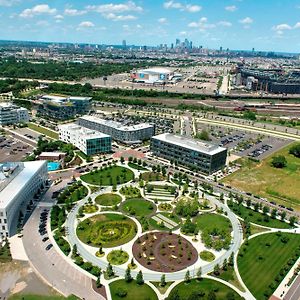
x=294, y=291
x=51, y=265
x=155, y=276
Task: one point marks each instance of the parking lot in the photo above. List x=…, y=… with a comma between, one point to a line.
x=28, y=133
x=12, y=149
x=243, y=143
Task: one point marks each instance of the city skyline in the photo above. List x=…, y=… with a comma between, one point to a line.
x=234, y=24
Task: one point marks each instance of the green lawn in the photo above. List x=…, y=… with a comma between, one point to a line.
x=108, y=199
x=130, y=192
x=261, y=261
x=117, y=257
x=204, y=286
x=211, y=221
x=108, y=230
x=257, y=217
x=108, y=176
x=134, y=291
x=138, y=207
x=279, y=185
x=48, y=132
x=207, y=256
x=170, y=216
x=230, y=276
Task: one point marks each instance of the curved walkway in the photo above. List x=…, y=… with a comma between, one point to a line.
x=150, y=275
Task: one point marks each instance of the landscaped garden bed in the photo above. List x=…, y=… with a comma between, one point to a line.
x=164, y=252
x=108, y=199
x=107, y=230
x=117, y=257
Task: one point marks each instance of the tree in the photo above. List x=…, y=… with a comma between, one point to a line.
x=211, y=296
x=231, y=260
x=248, y=202
x=128, y=277
x=295, y=150
x=217, y=269
x=199, y=273
x=98, y=282
x=256, y=206
x=274, y=213
x=225, y=265
x=203, y=135
x=122, y=159
x=279, y=162
x=266, y=209
x=283, y=215
x=139, y=278
x=163, y=280
x=109, y=271
x=293, y=220
x=187, y=277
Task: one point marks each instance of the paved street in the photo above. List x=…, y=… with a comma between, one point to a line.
x=51, y=265
x=294, y=291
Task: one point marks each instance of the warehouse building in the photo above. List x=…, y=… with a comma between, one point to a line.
x=19, y=182
x=201, y=156
x=88, y=141
x=132, y=134
x=12, y=114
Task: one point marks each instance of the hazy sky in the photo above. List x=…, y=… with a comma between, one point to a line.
x=235, y=24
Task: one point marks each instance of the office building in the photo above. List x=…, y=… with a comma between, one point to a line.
x=19, y=182
x=12, y=114
x=88, y=141
x=63, y=108
x=201, y=156
x=132, y=134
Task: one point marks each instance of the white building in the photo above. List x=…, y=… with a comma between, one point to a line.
x=12, y=114
x=152, y=75
x=125, y=134
x=88, y=141
x=19, y=182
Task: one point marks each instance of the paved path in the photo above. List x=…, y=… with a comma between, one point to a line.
x=51, y=265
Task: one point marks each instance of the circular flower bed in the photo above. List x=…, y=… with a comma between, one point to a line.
x=117, y=257
x=164, y=252
x=207, y=256
x=107, y=230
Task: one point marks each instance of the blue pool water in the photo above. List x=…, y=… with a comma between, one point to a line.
x=53, y=166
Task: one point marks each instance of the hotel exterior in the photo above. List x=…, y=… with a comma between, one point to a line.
x=88, y=141
x=125, y=134
x=201, y=156
x=19, y=182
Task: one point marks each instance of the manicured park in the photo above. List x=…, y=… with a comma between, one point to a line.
x=202, y=289
x=265, y=260
x=108, y=176
x=131, y=291
x=138, y=207
x=107, y=230
x=117, y=257
x=109, y=199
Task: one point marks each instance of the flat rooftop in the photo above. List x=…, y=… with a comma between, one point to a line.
x=13, y=177
x=83, y=131
x=116, y=125
x=188, y=143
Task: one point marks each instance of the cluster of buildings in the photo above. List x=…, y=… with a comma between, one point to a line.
x=93, y=135
x=19, y=183
x=12, y=114
x=63, y=108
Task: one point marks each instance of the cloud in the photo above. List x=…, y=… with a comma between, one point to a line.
x=282, y=27
x=246, y=21
x=183, y=7
x=129, y=6
x=114, y=17
x=162, y=20
x=8, y=2
x=74, y=12
x=224, y=24
x=86, y=24
x=231, y=8
x=37, y=10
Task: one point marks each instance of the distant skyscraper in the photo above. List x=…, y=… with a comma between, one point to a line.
x=172, y=46
x=221, y=49
x=177, y=42
x=124, y=44
x=191, y=45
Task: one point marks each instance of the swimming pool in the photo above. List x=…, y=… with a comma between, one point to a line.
x=53, y=166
